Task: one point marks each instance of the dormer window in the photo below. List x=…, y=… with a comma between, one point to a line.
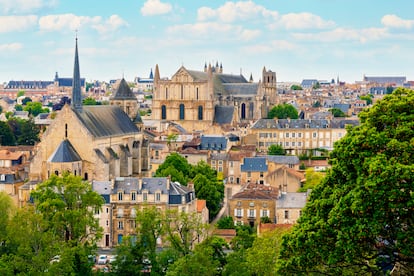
x=120, y=196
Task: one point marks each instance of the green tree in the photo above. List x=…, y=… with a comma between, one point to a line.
x=359, y=219
x=225, y=223
x=317, y=85
x=69, y=204
x=296, y=87
x=1, y=109
x=283, y=111
x=35, y=108
x=6, y=212
x=336, y=112
x=20, y=93
x=6, y=135
x=367, y=98
x=316, y=104
x=180, y=164
x=276, y=150
x=210, y=190
x=18, y=107
x=129, y=258
x=26, y=132
x=26, y=100
x=89, y=101
x=312, y=179
x=171, y=138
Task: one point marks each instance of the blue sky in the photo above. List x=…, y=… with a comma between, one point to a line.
x=297, y=39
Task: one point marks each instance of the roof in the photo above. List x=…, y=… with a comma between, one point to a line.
x=292, y=200
x=102, y=187
x=68, y=82
x=241, y=89
x=254, y=164
x=124, y=92
x=201, y=205
x=213, y=142
x=106, y=120
x=65, y=153
x=223, y=114
x=257, y=191
x=283, y=159
x=10, y=155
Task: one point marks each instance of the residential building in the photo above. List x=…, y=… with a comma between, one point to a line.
x=289, y=207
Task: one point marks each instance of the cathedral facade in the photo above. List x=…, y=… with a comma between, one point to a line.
x=196, y=100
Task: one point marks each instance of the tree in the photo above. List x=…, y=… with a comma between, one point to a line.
x=26, y=100
x=312, y=179
x=283, y=111
x=317, y=85
x=69, y=204
x=26, y=132
x=18, y=107
x=276, y=150
x=35, y=108
x=20, y=93
x=210, y=190
x=89, y=101
x=6, y=211
x=367, y=98
x=316, y=104
x=180, y=164
x=1, y=109
x=6, y=135
x=336, y=112
x=225, y=223
x=296, y=87
x=359, y=218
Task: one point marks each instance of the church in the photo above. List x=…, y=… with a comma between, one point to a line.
x=95, y=142
x=197, y=100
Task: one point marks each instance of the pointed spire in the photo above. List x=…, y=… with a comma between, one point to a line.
x=151, y=76
x=76, y=82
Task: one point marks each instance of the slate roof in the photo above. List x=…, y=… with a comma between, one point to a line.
x=65, y=153
x=306, y=83
x=198, y=75
x=292, y=200
x=241, y=89
x=399, y=80
x=105, y=121
x=257, y=191
x=68, y=82
x=283, y=159
x=254, y=164
x=28, y=84
x=103, y=188
x=213, y=142
x=303, y=123
x=123, y=92
x=223, y=114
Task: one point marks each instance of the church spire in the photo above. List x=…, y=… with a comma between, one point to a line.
x=76, y=82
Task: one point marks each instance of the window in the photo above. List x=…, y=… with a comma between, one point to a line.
x=132, y=224
x=251, y=204
x=96, y=211
x=300, y=135
x=120, y=225
x=157, y=197
x=293, y=135
x=252, y=213
x=107, y=222
x=249, y=174
x=163, y=112
x=231, y=164
x=133, y=213
x=120, y=196
x=197, y=95
x=120, y=213
x=286, y=214
x=145, y=196
x=133, y=196
x=182, y=91
x=239, y=213
x=265, y=213
x=182, y=111
x=107, y=210
x=261, y=174
x=200, y=112
x=66, y=130
x=314, y=135
x=287, y=134
x=166, y=92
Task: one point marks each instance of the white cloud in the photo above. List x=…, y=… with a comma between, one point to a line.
x=269, y=47
x=303, y=20
x=11, y=47
x=24, y=6
x=155, y=7
x=343, y=34
x=16, y=23
x=248, y=35
x=67, y=21
x=232, y=11
x=393, y=21
x=113, y=23
x=73, y=22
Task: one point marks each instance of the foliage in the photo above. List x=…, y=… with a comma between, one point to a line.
x=129, y=258
x=26, y=132
x=1, y=109
x=225, y=223
x=296, y=87
x=18, y=107
x=276, y=150
x=211, y=190
x=6, y=211
x=20, y=93
x=6, y=137
x=316, y=104
x=265, y=220
x=317, y=85
x=177, y=162
x=26, y=100
x=68, y=204
x=312, y=179
x=283, y=111
x=359, y=218
x=244, y=238
x=367, y=98
x=35, y=108
x=336, y=112
x=302, y=166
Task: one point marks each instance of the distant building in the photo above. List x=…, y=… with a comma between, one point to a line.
x=308, y=83
x=386, y=80
x=145, y=84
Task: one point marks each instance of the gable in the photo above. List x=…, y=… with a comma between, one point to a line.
x=184, y=75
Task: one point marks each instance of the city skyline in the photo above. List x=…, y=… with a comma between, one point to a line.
x=298, y=40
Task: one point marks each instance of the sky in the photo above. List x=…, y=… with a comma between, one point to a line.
x=297, y=39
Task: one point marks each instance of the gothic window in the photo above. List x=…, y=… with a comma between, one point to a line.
x=243, y=111
x=182, y=114
x=251, y=108
x=163, y=112
x=200, y=112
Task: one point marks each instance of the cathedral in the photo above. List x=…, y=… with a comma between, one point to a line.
x=197, y=100
x=95, y=142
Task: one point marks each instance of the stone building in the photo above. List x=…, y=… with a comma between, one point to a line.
x=199, y=99
x=95, y=142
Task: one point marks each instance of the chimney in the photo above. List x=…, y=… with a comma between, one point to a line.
x=190, y=186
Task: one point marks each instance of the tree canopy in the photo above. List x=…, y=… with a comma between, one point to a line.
x=276, y=150
x=360, y=217
x=336, y=112
x=283, y=111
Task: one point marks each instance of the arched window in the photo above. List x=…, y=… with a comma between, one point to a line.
x=166, y=92
x=243, y=111
x=163, y=112
x=200, y=112
x=57, y=173
x=251, y=110
x=182, y=112
x=86, y=176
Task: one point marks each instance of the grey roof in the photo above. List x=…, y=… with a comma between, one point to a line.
x=213, y=142
x=283, y=159
x=102, y=187
x=105, y=120
x=343, y=107
x=223, y=114
x=124, y=92
x=292, y=200
x=399, y=80
x=254, y=164
x=64, y=153
x=308, y=82
x=178, y=189
x=241, y=89
x=303, y=123
x=219, y=156
x=198, y=75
